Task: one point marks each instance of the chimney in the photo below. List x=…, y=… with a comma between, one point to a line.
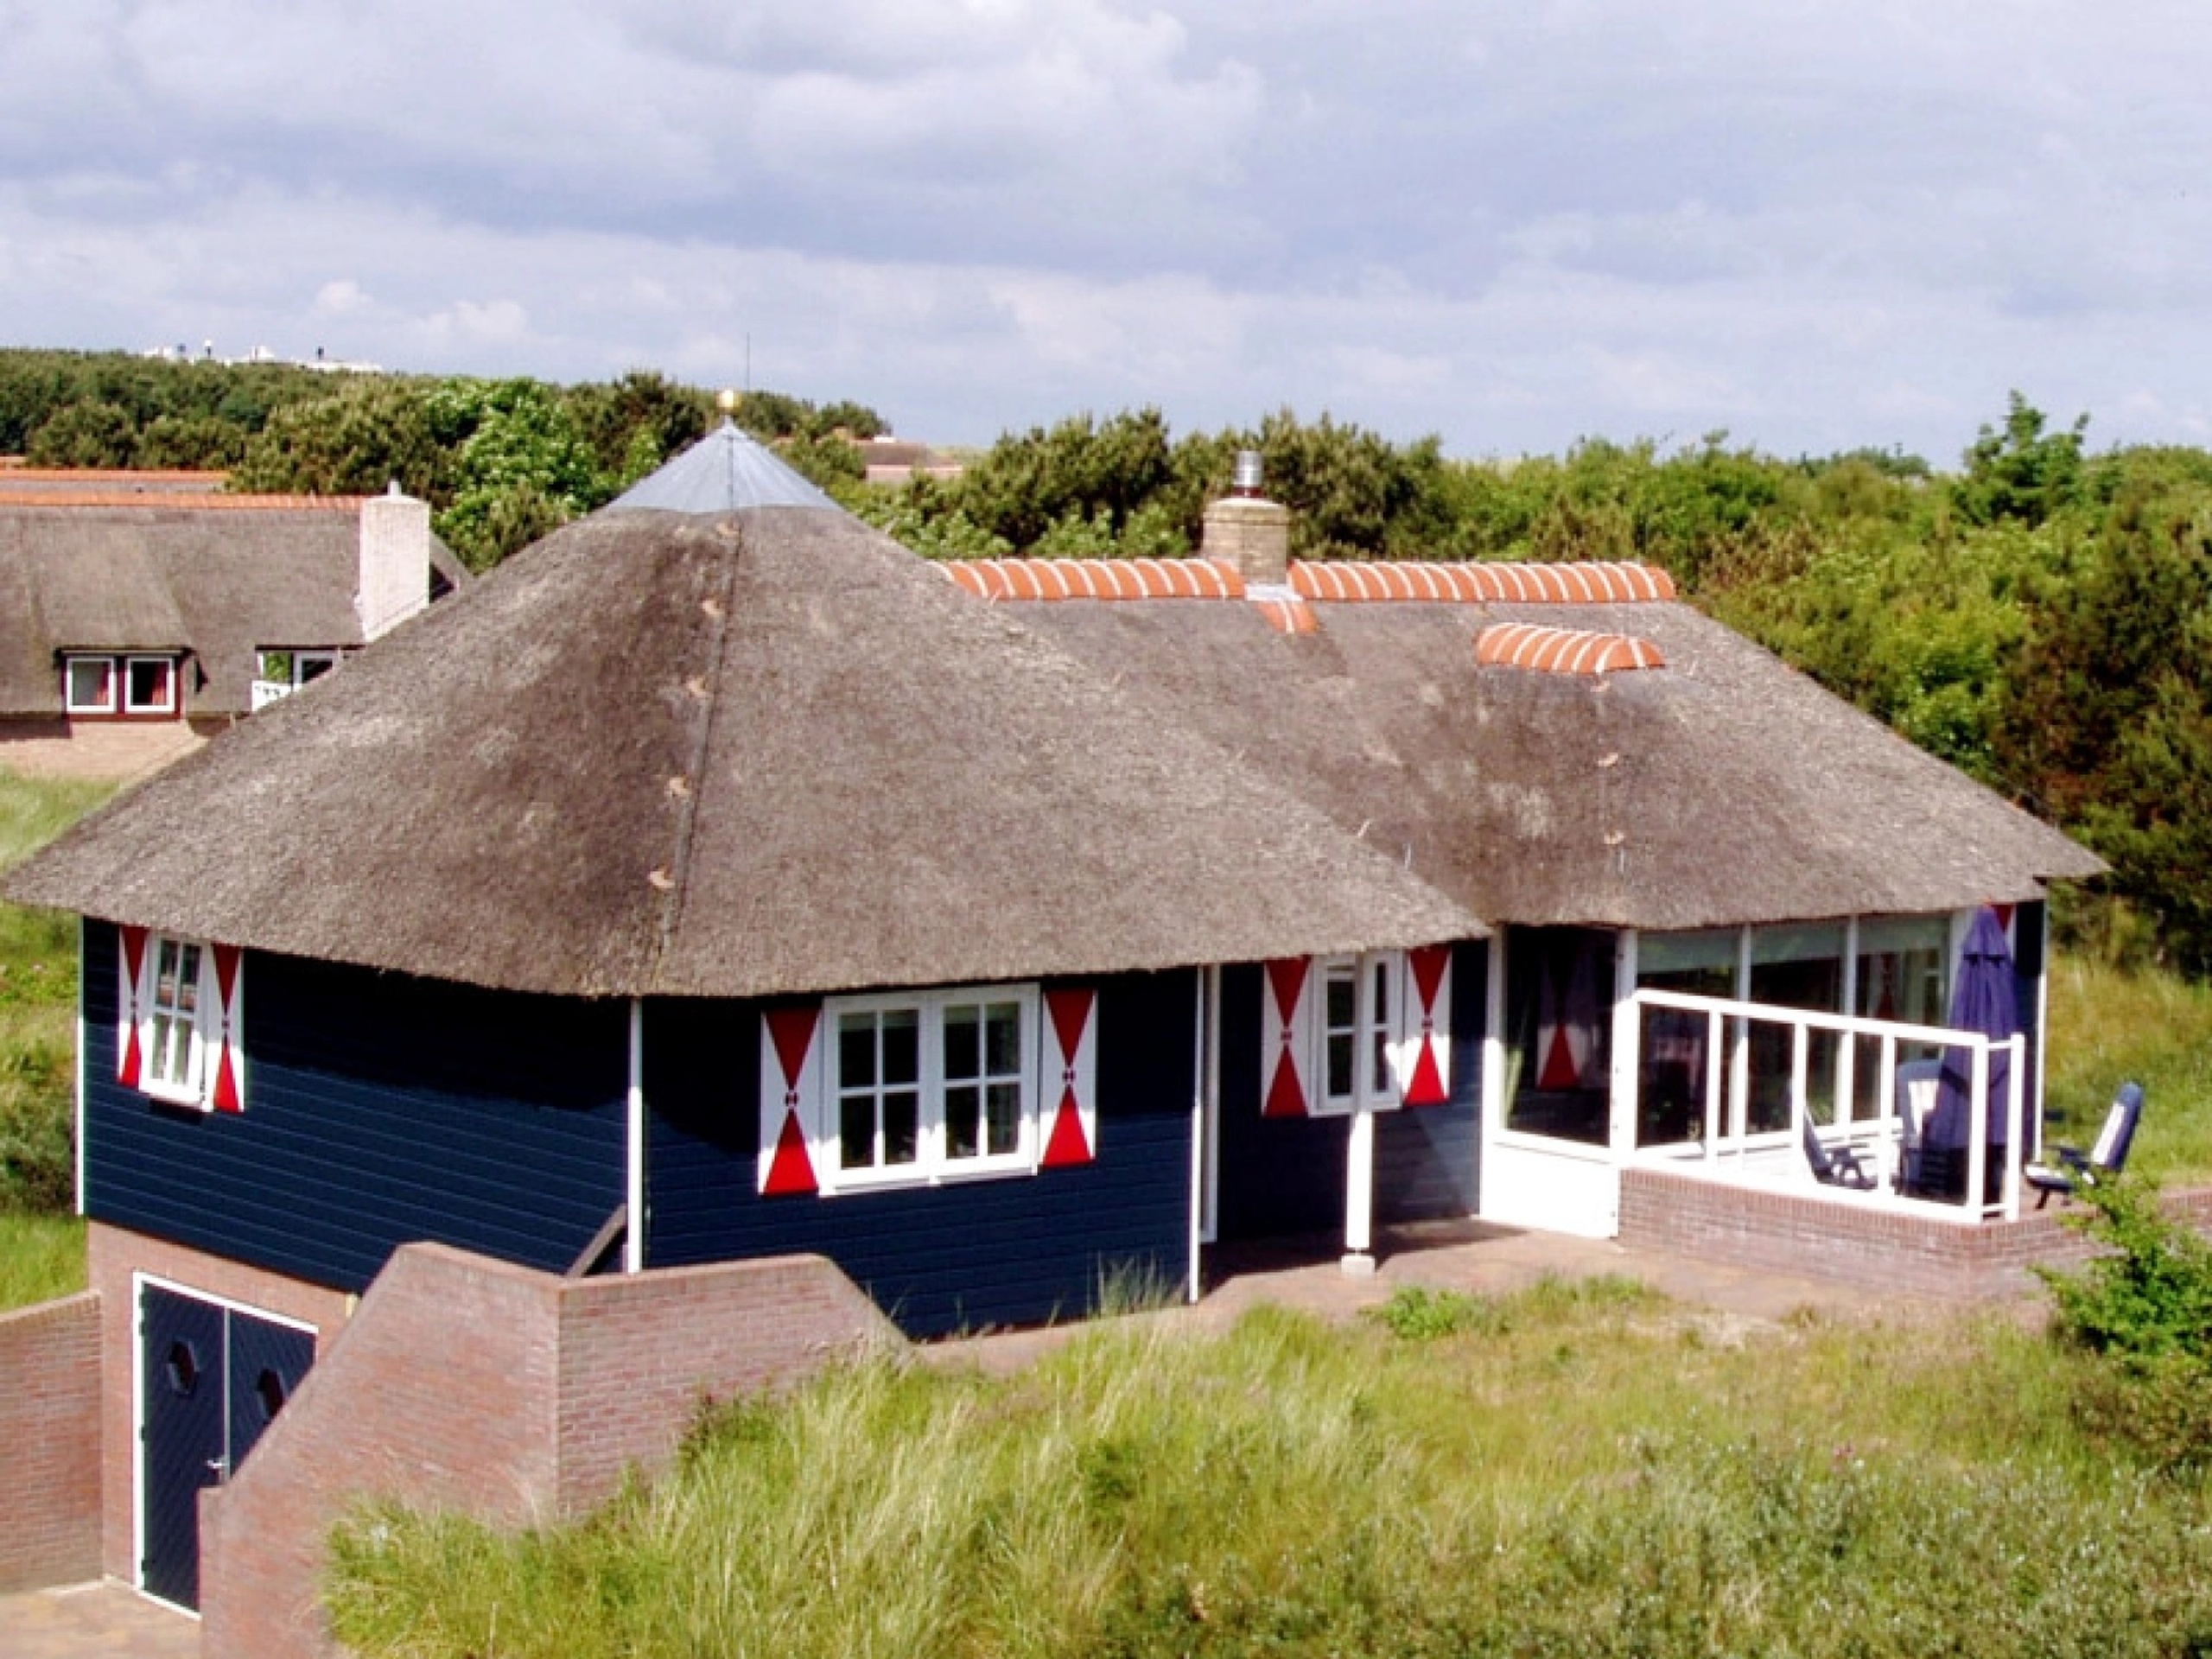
x=1248, y=532
x=395, y=572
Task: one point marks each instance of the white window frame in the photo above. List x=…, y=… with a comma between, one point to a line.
x=111, y=704
x=168, y=705
x=1377, y=1038
x=164, y=1082
x=934, y=1164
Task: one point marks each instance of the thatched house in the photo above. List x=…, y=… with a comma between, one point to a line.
x=139, y=612
x=718, y=880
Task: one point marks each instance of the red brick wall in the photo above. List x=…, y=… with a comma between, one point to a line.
x=1852, y=1243
x=49, y=1443
x=513, y=1395
x=114, y=1256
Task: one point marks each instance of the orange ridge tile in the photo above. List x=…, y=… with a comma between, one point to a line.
x=1049, y=579
x=1564, y=650
x=1577, y=582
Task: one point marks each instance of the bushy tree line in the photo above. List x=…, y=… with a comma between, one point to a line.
x=501, y=461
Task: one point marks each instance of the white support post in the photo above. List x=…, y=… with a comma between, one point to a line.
x=1494, y=1103
x=2016, y=1138
x=1846, y=1048
x=1715, y=1049
x=1359, y=1196
x=1801, y=1107
x=83, y=1047
x=633, y=1236
x=1977, y=1127
x=1197, y=1139
x=1628, y=1043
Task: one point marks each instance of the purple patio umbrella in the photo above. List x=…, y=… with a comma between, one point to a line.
x=1985, y=999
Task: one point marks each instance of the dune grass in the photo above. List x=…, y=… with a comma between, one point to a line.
x=2110, y=1024
x=41, y=1257
x=1572, y=1472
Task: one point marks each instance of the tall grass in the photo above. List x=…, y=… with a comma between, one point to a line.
x=41, y=1257
x=1569, y=1475
x=38, y=992
x=2110, y=1024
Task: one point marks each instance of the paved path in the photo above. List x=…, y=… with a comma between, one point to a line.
x=93, y=1621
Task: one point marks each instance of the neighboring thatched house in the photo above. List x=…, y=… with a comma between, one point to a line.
x=139, y=612
x=718, y=880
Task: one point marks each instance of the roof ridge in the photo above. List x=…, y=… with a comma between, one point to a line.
x=1563, y=650
x=179, y=501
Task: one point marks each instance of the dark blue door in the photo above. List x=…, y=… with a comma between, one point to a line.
x=212, y=1379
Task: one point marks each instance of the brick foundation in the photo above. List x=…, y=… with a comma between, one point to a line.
x=513, y=1395
x=50, y=1429
x=1875, y=1250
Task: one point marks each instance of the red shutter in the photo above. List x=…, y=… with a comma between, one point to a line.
x=1071, y=1061
x=225, y=1086
x=790, y=1081
x=1429, y=973
x=1282, y=1037
x=129, y=970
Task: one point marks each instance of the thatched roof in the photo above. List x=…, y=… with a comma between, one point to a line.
x=1720, y=788
x=764, y=752
x=220, y=576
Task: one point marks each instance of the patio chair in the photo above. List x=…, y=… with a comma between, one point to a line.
x=2076, y=1169
x=1839, y=1165
x=1924, y=1171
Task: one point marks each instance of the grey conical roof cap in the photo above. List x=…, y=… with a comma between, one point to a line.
x=727, y=471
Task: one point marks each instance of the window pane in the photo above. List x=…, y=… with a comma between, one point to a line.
x=1005, y=1117
x=1379, y=1081
x=964, y=1048
x=1002, y=1039
x=149, y=683
x=964, y=1121
x=902, y=1045
x=902, y=1125
x=856, y=1051
x=188, y=988
x=1337, y=1083
x=313, y=668
x=90, y=682
x=856, y=1131
x=1343, y=999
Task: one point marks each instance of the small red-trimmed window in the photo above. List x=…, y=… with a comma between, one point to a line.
x=179, y=1039
x=1370, y=1032
x=89, y=685
x=149, y=686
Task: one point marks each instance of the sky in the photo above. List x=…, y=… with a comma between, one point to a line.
x=1815, y=226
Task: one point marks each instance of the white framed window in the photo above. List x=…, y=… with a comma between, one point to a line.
x=931, y=1085
x=1356, y=1033
x=89, y=685
x=149, y=686
x=278, y=673
x=1357, y=1025
x=178, y=1036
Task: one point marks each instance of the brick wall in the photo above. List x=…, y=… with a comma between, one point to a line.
x=114, y=1256
x=513, y=1395
x=1882, y=1251
x=49, y=1428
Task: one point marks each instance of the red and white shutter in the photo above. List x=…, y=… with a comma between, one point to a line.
x=1284, y=1000
x=1426, y=1077
x=791, y=1089
x=222, y=991
x=1071, y=1068
x=130, y=1001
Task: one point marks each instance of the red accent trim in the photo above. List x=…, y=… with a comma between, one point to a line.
x=1428, y=963
x=134, y=960
x=790, y=1032
x=1285, y=1092
x=229, y=1096
x=1049, y=579
x=791, y=1172
x=1071, y=1015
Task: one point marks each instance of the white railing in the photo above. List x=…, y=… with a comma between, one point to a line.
x=1728, y=1090
x=268, y=691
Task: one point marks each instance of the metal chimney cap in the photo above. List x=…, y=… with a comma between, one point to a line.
x=1247, y=477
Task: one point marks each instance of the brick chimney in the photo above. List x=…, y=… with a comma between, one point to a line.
x=394, y=569
x=1248, y=532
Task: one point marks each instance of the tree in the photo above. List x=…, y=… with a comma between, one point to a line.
x=368, y=434
x=523, y=467
x=2020, y=471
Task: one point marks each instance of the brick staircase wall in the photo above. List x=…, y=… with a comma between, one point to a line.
x=50, y=1429
x=513, y=1395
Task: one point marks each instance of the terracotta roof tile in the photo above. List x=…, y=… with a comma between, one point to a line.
x=166, y=501
x=1095, y=578
x=1563, y=650
x=1580, y=583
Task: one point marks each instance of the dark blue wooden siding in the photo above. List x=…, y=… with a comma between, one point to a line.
x=380, y=1110
x=1281, y=1176
x=1013, y=1251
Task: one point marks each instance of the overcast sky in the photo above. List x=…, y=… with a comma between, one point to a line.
x=1818, y=226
